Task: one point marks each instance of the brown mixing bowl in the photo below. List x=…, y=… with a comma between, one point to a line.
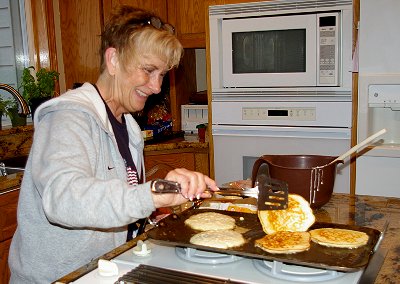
x=307, y=175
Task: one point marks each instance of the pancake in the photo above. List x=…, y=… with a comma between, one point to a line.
x=298, y=217
x=210, y=221
x=218, y=239
x=341, y=238
x=284, y=242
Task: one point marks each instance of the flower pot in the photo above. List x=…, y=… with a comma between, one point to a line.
x=34, y=103
x=16, y=118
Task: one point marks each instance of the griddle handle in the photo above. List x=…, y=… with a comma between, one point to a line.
x=378, y=243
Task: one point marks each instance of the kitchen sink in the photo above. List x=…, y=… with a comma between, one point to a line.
x=15, y=162
x=12, y=165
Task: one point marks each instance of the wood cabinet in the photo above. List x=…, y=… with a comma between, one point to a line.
x=159, y=163
x=188, y=18
x=80, y=27
x=8, y=224
x=157, y=6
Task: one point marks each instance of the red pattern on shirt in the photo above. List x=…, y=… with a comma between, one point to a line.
x=132, y=176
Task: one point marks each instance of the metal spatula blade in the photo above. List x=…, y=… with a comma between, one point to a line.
x=272, y=193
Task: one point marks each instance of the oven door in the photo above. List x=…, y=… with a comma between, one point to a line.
x=237, y=147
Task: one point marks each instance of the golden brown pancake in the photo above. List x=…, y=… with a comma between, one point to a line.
x=342, y=238
x=218, y=239
x=284, y=242
x=209, y=221
x=298, y=217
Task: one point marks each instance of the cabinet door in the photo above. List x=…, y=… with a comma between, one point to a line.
x=8, y=224
x=157, y=166
x=159, y=7
x=80, y=26
x=8, y=214
x=188, y=18
x=5, y=271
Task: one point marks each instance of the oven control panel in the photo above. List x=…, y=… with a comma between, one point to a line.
x=279, y=113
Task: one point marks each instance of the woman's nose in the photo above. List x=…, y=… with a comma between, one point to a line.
x=155, y=84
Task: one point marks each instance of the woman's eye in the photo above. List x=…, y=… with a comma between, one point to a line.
x=148, y=70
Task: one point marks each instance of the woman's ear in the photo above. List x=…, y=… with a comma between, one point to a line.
x=111, y=60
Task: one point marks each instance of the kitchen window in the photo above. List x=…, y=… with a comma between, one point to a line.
x=14, y=44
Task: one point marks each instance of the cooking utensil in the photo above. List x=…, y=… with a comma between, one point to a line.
x=359, y=146
x=166, y=186
x=172, y=231
x=272, y=195
x=298, y=171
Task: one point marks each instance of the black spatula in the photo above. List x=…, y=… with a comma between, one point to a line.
x=272, y=193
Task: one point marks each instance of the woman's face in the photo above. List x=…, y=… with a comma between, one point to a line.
x=135, y=84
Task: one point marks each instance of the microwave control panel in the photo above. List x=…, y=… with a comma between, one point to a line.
x=328, y=49
x=279, y=113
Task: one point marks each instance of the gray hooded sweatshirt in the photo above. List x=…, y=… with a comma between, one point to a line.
x=75, y=201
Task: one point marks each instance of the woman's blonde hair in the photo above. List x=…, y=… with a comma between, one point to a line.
x=131, y=32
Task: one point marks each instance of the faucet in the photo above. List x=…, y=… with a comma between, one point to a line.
x=3, y=171
x=18, y=97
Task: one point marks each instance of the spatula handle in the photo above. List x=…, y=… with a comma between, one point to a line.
x=165, y=186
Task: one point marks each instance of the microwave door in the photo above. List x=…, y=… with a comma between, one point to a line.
x=270, y=51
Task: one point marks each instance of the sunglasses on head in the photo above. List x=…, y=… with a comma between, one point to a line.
x=158, y=24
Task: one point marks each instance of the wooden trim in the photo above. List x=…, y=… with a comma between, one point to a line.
x=51, y=40
x=354, y=122
x=44, y=36
x=51, y=35
x=209, y=93
x=106, y=8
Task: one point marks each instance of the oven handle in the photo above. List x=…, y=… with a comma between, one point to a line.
x=282, y=132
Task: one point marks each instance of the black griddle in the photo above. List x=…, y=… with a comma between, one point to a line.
x=172, y=231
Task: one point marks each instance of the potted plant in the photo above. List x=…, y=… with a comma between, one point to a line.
x=39, y=89
x=4, y=105
x=12, y=111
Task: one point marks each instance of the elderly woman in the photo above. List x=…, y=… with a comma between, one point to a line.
x=83, y=182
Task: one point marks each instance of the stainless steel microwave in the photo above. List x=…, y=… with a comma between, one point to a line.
x=301, y=45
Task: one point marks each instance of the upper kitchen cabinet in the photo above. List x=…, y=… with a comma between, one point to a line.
x=157, y=6
x=188, y=18
x=80, y=27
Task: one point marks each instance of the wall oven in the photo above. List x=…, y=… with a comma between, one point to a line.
x=243, y=131
x=276, y=44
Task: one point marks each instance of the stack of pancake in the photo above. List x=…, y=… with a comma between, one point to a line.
x=287, y=230
x=217, y=230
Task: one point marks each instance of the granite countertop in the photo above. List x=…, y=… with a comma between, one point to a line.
x=177, y=143
x=367, y=211
x=372, y=212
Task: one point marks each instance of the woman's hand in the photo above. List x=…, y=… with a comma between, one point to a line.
x=193, y=186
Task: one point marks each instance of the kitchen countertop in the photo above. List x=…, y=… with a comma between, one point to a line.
x=10, y=182
x=368, y=211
